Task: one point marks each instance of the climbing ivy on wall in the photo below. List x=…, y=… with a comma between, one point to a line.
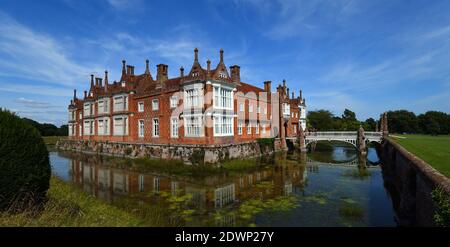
x=442, y=201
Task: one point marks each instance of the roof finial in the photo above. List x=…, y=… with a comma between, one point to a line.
x=92, y=80
x=196, y=54
x=221, y=55
x=147, y=70
x=181, y=71
x=208, y=65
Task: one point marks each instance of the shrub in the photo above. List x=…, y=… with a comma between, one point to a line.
x=24, y=163
x=266, y=143
x=442, y=202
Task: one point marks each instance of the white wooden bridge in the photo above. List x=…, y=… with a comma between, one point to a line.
x=344, y=136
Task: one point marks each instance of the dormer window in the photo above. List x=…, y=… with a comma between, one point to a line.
x=123, y=84
x=195, y=74
x=222, y=74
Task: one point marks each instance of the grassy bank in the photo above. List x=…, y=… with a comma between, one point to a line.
x=51, y=140
x=69, y=206
x=435, y=150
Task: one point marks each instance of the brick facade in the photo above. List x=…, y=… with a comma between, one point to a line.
x=205, y=106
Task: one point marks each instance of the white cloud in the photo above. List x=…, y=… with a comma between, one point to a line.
x=32, y=55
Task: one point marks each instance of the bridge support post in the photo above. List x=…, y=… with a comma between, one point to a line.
x=301, y=140
x=361, y=141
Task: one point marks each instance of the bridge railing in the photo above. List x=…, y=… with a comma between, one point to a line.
x=332, y=133
x=343, y=133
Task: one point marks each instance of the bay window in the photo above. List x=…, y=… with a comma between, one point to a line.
x=223, y=97
x=120, y=103
x=223, y=125
x=193, y=126
x=120, y=126
x=103, y=126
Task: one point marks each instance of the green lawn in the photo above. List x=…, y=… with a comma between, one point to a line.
x=435, y=150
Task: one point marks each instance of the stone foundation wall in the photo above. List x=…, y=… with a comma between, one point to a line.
x=410, y=182
x=191, y=154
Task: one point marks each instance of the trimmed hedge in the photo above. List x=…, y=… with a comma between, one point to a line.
x=24, y=163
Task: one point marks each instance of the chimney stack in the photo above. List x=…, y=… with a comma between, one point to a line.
x=130, y=70
x=123, y=67
x=221, y=55
x=267, y=86
x=287, y=93
x=196, y=55
x=147, y=70
x=284, y=83
x=85, y=93
x=300, y=95
x=235, y=71
x=162, y=72
x=293, y=95
x=92, y=80
x=74, y=94
x=99, y=81
x=208, y=66
x=181, y=71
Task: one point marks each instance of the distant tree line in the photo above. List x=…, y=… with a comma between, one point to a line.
x=399, y=121
x=46, y=129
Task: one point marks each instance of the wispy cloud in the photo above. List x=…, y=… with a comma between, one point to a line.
x=126, y=4
x=29, y=54
x=29, y=103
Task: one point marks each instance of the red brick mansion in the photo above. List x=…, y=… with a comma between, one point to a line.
x=202, y=106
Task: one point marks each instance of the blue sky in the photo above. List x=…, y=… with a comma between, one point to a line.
x=369, y=56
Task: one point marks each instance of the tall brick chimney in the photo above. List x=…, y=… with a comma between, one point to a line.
x=235, y=71
x=293, y=95
x=92, y=80
x=85, y=93
x=181, y=71
x=162, y=73
x=221, y=55
x=130, y=70
x=300, y=96
x=267, y=86
x=74, y=94
x=208, y=66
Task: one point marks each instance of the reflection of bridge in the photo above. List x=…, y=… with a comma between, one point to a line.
x=344, y=136
x=350, y=163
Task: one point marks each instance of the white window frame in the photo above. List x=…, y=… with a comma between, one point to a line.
x=174, y=127
x=258, y=109
x=240, y=127
x=141, y=106
x=257, y=129
x=173, y=101
x=250, y=107
x=193, y=126
x=103, y=128
x=120, y=103
x=193, y=96
x=223, y=125
x=249, y=128
x=141, y=128
x=242, y=107
x=155, y=127
x=124, y=123
x=155, y=105
x=223, y=97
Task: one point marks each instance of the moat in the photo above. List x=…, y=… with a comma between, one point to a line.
x=326, y=188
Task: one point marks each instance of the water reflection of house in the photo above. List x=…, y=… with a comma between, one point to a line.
x=109, y=183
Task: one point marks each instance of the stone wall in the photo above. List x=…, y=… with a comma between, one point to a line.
x=410, y=182
x=191, y=154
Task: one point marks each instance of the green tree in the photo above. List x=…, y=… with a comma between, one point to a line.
x=369, y=124
x=321, y=120
x=433, y=121
x=402, y=121
x=24, y=163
